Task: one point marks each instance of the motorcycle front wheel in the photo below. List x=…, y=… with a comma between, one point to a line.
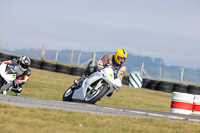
x=67, y=96
x=93, y=96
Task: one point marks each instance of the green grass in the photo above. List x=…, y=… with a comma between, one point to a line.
x=34, y=120
x=50, y=85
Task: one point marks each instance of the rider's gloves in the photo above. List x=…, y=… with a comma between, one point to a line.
x=99, y=67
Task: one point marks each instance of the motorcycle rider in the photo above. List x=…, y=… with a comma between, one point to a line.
x=117, y=61
x=22, y=67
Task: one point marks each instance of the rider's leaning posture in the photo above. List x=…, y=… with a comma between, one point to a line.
x=22, y=67
x=116, y=61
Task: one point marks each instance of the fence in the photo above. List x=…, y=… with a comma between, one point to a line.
x=164, y=86
x=160, y=73
x=148, y=82
x=152, y=84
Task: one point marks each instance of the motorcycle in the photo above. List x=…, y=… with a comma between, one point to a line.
x=95, y=86
x=7, y=77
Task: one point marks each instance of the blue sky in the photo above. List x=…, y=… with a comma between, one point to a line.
x=158, y=28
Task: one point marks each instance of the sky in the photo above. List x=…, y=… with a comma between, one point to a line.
x=167, y=29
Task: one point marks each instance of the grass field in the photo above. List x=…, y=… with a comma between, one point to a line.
x=33, y=120
x=50, y=85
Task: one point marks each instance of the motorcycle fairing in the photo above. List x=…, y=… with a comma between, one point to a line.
x=80, y=93
x=112, y=79
x=7, y=73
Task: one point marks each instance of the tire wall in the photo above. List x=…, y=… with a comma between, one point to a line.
x=125, y=80
x=170, y=87
x=43, y=64
x=5, y=57
x=78, y=71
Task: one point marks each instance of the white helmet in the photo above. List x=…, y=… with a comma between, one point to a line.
x=24, y=63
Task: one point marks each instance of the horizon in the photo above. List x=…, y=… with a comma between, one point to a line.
x=166, y=29
x=109, y=52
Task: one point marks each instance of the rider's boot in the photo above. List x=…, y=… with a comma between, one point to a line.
x=79, y=81
x=17, y=90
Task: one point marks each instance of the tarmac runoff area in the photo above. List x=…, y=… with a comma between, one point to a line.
x=95, y=109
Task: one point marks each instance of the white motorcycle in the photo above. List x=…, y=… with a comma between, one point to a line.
x=7, y=76
x=94, y=87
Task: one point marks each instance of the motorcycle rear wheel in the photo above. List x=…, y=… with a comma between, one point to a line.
x=101, y=91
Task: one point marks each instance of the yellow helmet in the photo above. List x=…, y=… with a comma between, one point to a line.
x=120, y=56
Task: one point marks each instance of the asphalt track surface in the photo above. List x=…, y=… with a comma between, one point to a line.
x=95, y=109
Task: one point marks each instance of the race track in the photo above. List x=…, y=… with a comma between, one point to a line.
x=96, y=109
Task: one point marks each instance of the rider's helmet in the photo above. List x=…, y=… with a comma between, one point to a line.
x=24, y=63
x=120, y=56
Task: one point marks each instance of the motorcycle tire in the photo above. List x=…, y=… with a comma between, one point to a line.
x=68, y=97
x=99, y=96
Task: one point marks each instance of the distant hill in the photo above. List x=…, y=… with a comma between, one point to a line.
x=133, y=63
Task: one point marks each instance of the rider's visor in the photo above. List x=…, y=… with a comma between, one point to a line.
x=24, y=66
x=121, y=59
